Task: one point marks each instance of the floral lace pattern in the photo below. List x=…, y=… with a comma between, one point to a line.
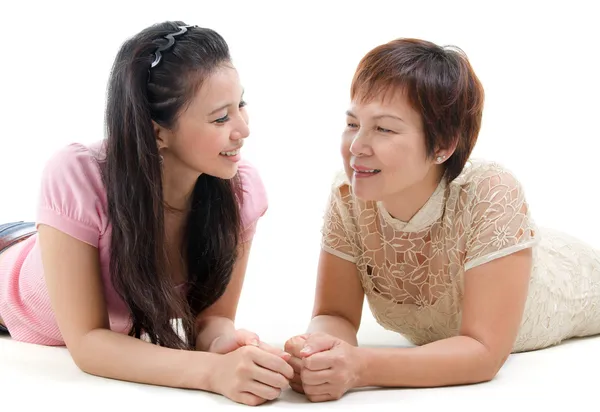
x=412, y=272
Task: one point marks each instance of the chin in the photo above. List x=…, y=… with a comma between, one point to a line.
x=226, y=173
x=366, y=192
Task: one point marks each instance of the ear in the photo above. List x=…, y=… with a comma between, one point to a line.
x=162, y=135
x=444, y=152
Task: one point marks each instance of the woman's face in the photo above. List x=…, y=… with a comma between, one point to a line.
x=383, y=147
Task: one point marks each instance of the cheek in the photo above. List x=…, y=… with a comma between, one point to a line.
x=345, y=145
x=200, y=142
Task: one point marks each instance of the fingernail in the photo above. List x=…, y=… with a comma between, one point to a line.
x=306, y=349
x=254, y=342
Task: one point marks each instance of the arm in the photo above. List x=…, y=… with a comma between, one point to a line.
x=338, y=299
x=218, y=320
x=72, y=274
x=494, y=300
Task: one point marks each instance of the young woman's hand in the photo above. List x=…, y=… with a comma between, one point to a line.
x=241, y=337
x=228, y=343
x=251, y=375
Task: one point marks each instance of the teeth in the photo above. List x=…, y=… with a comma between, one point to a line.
x=235, y=152
x=368, y=171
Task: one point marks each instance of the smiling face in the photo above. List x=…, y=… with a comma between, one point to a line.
x=383, y=147
x=210, y=131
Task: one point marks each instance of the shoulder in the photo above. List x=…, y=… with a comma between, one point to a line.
x=483, y=180
x=254, y=201
x=76, y=162
x=75, y=168
x=72, y=191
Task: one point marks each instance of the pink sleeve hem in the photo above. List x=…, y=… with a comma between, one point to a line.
x=248, y=233
x=67, y=225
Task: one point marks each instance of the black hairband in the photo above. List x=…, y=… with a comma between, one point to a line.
x=171, y=41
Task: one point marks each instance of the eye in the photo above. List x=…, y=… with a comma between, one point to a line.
x=352, y=125
x=243, y=104
x=382, y=130
x=223, y=119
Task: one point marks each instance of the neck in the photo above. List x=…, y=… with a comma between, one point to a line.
x=178, y=185
x=405, y=204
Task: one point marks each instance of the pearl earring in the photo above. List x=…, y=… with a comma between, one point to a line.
x=440, y=159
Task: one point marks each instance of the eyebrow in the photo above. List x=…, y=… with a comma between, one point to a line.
x=224, y=106
x=381, y=116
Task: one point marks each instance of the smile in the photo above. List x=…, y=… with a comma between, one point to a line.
x=232, y=153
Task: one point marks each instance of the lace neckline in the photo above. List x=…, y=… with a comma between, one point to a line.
x=431, y=211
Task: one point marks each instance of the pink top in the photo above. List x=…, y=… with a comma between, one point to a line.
x=73, y=200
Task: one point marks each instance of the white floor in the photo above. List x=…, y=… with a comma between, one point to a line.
x=553, y=379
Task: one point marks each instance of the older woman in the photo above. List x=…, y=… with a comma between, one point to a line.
x=443, y=247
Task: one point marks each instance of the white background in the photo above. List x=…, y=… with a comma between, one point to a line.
x=538, y=62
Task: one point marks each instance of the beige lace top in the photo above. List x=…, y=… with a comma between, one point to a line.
x=412, y=272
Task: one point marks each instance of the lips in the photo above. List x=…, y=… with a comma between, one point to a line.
x=234, y=152
x=365, y=169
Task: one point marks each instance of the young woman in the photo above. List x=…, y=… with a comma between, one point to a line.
x=150, y=225
x=445, y=249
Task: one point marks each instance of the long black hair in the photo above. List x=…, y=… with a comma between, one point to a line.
x=138, y=95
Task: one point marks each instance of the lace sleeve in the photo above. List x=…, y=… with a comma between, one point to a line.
x=500, y=220
x=337, y=238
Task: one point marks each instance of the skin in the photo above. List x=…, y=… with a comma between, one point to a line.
x=251, y=372
x=327, y=360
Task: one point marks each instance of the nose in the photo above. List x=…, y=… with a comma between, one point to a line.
x=359, y=146
x=241, y=130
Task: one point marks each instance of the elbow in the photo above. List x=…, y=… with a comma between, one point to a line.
x=488, y=367
x=82, y=354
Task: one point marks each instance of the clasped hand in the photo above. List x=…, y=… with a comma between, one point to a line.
x=251, y=372
x=321, y=366
x=325, y=367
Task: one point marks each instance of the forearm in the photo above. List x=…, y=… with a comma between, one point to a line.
x=334, y=326
x=455, y=361
x=112, y=355
x=211, y=328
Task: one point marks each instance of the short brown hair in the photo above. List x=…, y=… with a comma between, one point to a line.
x=440, y=84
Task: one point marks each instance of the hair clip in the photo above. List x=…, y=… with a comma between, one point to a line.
x=171, y=41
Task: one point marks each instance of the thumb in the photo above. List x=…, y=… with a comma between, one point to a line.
x=277, y=352
x=245, y=337
x=318, y=343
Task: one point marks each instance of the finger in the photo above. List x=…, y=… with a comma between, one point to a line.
x=319, y=361
x=316, y=378
x=296, y=379
x=272, y=362
x=325, y=389
x=295, y=363
x=320, y=398
x=318, y=343
x=297, y=387
x=245, y=337
x=263, y=391
x=268, y=377
x=249, y=399
x=294, y=345
x=277, y=352
x=224, y=344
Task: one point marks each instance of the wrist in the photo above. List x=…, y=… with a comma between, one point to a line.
x=362, y=361
x=199, y=371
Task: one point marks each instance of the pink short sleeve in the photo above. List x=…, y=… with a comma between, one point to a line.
x=73, y=197
x=255, y=201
